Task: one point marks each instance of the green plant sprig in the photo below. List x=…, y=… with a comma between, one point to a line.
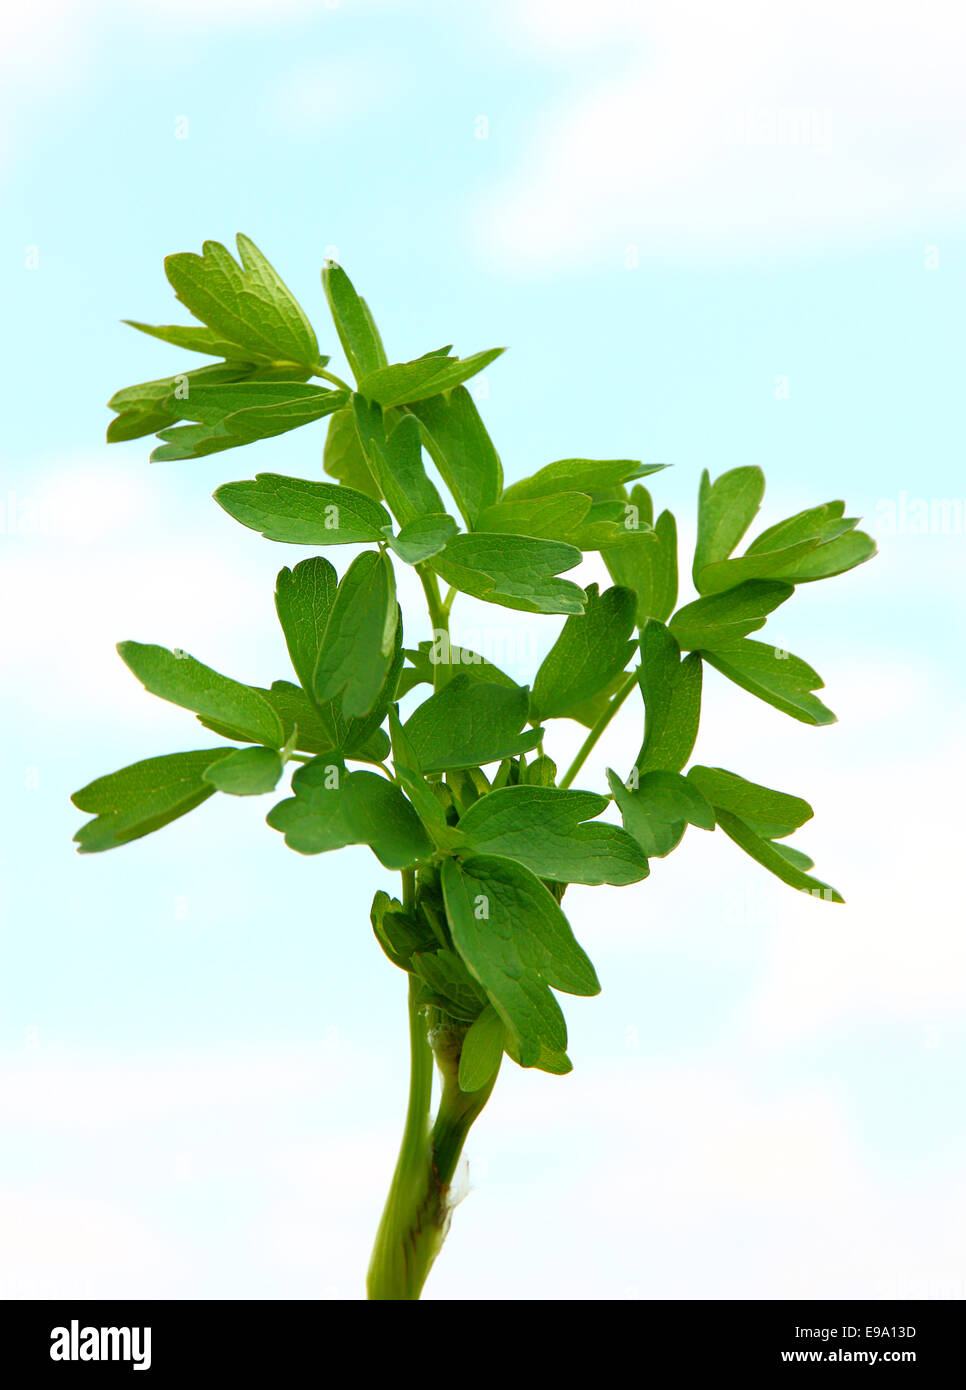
x=460, y=797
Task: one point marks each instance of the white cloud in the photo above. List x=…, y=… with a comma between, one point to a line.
x=48, y=46
x=700, y=1181
x=735, y=131
x=98, y=551
x=109, y=1166
x=202, y=1173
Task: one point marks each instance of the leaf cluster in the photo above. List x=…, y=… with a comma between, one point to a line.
x=459, y=795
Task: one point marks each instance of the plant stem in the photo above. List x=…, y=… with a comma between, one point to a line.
x=620, y=695
x=330, y=376
x=438, y=612
x=416, y=1216
x=395, y=1269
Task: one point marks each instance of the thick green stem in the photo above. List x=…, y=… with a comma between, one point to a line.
x=457, y=1112
x=416, y=1216
x=620, y=695
x=398, y=1265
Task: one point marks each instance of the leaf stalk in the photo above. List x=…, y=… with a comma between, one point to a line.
x=607, y=714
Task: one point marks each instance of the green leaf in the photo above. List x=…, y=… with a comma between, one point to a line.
x=449, y=985
x=195, y=442
x=777, y=551
x=542, y=772
x=379, y=815
x=357, y=333
x=726, y=508
x=246, y=772
x=507, y=774
x=728, y=573
x=361, y=736
x=359, y=644
x=436, y=663
x=210, y=404
x=469, y=723
x=399, y=933
x=482, y=1051
x=556, y=1063
x=592, y=648
x=300, y=512
x=143, y=797
x=648, y=564
x=657, y=808
x=721, y=620
x=672, y=700
x=245, y=426
x=247, y=304
x=443, y=659
x=769, y=813
x=639, y=509
x=776, y=677
x=754, y=817
x=509, y=930
x=457, y=442
x=374, y=746
x=513, y=571
x=177, y=677
x=540, y=827
x=313, y=820
x=197, y=340
x=836, y=557
x=143, y=409
x=606, y=527
x=551, y=518
x=466, y=785
x=343, y=457
x=303, y=600
x=422, y=538
x=592, y=476
x=564, y=516
x=314, y=730
x=795, y=857
x=823, y=523
x=407, y=382
x=418, y=672
x=395, y=461
x=775, y=858
x=428, y=806
x=292, y=706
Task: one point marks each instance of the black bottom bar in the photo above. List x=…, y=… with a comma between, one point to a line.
x=320, y=1339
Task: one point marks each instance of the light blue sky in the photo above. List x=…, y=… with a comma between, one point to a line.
x=692, y=260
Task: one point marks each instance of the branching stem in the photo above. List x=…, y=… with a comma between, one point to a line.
x=620, y=695
x=330, y=376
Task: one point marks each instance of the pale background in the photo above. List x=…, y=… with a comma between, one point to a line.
x=711, y=235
